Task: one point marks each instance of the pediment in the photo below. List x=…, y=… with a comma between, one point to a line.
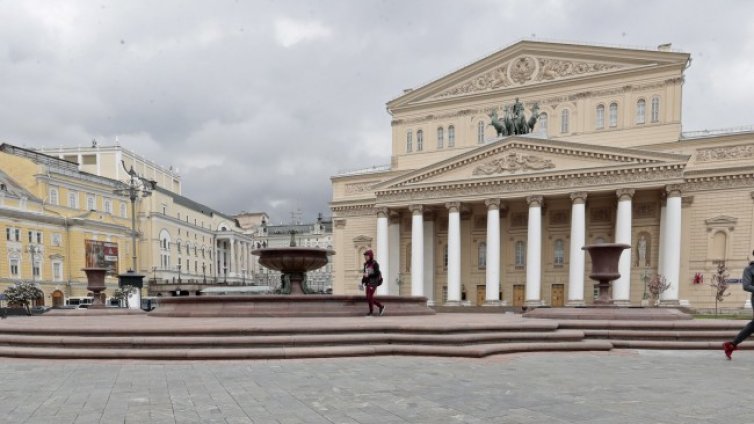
x=721, y=221
x=529, y=63
x=524, y=156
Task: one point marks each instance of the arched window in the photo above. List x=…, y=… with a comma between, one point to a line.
x=419, y=141
x=440, y=136
x=53, y=196
x=451, y=136
x=613, y=115
x=559, y=253
x=409, y=141
x=655, y=109
x=482, y=255
x=445, y=257
x=520, y=250
x=599, y=119
x=543, y=121
x=719, y=242
x=408, y=257
x=564, y=117
x=108, y=206
x=480, y=132
x=641, y=107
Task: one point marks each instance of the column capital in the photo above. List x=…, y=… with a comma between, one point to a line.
x=673, y=190
x=534, y=201
x=578, y=197
x=453, y=206
x=382, y=211
x=625, y=193
x=416, y=209
x=492, y=204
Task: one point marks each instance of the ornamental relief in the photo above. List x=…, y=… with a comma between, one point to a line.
x=522, y=70
x=743, y=151
x=358, y=188
x=698, y=185
x=512, y=163
x=533, y=186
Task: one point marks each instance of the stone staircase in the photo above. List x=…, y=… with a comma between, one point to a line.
x=364, y=337
x=450, y=335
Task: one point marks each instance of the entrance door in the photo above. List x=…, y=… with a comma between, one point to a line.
x=518, y=295
x=557, y=299
x=57, y=299
x=481, y=294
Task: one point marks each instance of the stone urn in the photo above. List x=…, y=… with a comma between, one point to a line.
x=293, y=263
x=605, y=258
x=95, y=278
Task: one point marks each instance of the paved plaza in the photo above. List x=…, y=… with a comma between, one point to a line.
x=622, y=386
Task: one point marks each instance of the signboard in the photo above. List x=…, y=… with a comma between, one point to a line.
x=102, y=254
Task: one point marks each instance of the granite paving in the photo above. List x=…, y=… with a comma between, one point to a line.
x=620, y=386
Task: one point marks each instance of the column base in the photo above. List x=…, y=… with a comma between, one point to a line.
x=575, y=303
x=621, y=303
x=533, y=303
x=452, y=303
x=492, y=303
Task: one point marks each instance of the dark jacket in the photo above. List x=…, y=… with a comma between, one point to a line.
x=372, y=275
x=746, y=280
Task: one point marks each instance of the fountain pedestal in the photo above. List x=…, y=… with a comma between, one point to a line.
x=95, y=278
x=605, y=258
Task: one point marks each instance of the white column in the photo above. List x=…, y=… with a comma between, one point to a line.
x=576, y=259
x=661, y=247
x=534, y=252
x=215, y=259
x=492, y=289
x=672, y=246
x=417, y=250
x=454, y=253
x=394, y=254
x=429, y=259
x=232, y=262
x=622, y=286
x=383, y=257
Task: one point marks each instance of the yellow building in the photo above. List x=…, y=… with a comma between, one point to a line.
x=469, y=215
x=59, y=218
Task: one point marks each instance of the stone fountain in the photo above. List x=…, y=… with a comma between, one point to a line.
x=95, y=278
x=293, y=263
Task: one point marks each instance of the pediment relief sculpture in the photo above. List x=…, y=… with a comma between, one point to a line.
x=523, y=70
x=512, y=163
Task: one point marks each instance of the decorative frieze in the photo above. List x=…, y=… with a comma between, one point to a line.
x=513, y=162
x=742, y=151
x=358, y=188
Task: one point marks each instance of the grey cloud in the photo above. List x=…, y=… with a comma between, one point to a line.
x=254, y=125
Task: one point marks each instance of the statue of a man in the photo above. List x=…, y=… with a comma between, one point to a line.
x=641, y=248
x=518, y=108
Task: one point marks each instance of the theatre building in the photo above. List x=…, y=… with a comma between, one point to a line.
x=503, y=170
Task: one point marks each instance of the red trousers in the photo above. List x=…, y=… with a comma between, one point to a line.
x=370, y=298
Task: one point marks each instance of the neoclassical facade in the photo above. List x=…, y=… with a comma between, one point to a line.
x=465, y=215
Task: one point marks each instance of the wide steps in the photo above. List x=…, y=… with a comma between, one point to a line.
x=221, y=353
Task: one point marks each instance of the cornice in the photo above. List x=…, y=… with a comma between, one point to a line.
x=516, y=186
x=31, y=216
x=348, y=210
x=567, y=148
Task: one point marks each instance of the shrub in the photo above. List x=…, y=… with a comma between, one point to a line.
x=23, y=293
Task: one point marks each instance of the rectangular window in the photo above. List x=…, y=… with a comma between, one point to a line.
x=31, y=236
x=7, y=234
x=17, y=234
x=73, y=199
x=108, y=206
x=35, y=270
x=39, y=237
x=57, y=271
x=14, y=267
x=90, y=205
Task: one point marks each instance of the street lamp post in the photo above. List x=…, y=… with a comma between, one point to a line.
x=204, y=272
x=179, y=273
x=154, y=274
x=138, y=186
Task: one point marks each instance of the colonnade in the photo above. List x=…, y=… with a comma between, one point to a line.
x=669, y=253
x=233, y=257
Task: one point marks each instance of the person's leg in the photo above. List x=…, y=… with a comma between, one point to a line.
x=370, y=297
x=747, y=331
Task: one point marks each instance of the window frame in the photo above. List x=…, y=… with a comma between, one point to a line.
x=599, y=117
x=565, y=121
x=409, y=142
x=613, y=115
x=451, y=136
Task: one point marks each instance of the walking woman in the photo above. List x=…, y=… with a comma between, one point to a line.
x=371, y=280
x=746, y=280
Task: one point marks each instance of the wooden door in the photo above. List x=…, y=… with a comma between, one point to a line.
x=557, y=296
x=481, y=294
x=518, y=295
x=57, y=299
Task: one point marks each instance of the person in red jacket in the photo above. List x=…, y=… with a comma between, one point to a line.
x=746, y=280
x=371, y=280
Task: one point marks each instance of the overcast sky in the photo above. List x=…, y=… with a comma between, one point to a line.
x=258, y=103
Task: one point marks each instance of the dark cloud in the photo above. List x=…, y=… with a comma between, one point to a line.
x=259, y=103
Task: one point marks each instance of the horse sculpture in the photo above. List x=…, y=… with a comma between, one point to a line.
x=498, y=124
x=534, y=116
